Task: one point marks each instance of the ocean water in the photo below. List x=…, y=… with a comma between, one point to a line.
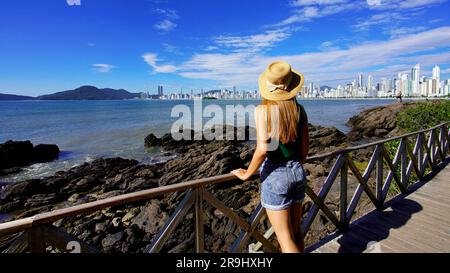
x=85, y=130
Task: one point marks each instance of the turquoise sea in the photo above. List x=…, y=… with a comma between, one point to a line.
x=85, y=130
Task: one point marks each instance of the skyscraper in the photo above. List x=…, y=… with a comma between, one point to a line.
x=160, y=90
x=360, y=80
x=415, y=78
x=437, y=79
x=369, y=82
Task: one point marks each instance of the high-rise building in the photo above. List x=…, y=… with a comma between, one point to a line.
x=415, y=78
x=405, y=84
x=360, y=80
x=160, y=90
x=437, y=79
x=369, y=82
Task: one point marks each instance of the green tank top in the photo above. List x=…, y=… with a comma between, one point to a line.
x=292, y=150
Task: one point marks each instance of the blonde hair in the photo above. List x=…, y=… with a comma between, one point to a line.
x=288, y=117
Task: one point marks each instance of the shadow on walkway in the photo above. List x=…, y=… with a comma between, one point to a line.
x=376, y=226
x=363, y=234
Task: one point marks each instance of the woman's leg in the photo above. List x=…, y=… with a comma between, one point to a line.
x=281, y=223
x=296, y=211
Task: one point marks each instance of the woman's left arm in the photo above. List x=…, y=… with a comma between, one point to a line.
x=261, y=149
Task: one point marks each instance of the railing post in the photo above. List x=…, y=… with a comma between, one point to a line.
x=199, y=232
x=419, y=144
x=403, y=162
x=36, y=240
x=442, y=141
x=431, y=148
x=343, y=194
x=445, y=141
x=379, y=180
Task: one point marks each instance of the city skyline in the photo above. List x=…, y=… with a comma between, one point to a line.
x=52, y=46
x=408, y=84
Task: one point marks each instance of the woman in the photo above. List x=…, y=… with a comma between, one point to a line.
x=281, y=148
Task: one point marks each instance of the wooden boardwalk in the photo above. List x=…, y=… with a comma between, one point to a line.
x=415, y=222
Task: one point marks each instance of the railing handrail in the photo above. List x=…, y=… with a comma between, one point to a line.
x=370, y=144
x=54, y=215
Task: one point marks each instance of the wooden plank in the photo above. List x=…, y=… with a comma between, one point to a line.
x=420, y=240
x=412, y=232
x=395, y=245
x=426, y=199
x=384, y=239
x=36, y=240
x=199, y=232
x=425, y=213
x=387, y=224
x=343, y=197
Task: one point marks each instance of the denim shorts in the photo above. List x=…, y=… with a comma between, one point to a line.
x=282, y=184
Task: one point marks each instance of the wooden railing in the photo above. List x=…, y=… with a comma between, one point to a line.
x=430, y=149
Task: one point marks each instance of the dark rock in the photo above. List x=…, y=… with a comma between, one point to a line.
x=112, y=239
x=151, y=141
x=45, y=152
x=151, y=218
x=21, y=189
x=23, y=153
x=41, y=200
x=15, y=153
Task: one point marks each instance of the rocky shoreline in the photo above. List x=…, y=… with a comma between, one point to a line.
x=131, y=227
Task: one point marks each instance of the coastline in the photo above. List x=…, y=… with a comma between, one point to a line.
x=126, y=228
x=86, y=130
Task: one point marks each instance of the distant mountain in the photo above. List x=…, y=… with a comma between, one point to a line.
x=88, y=92
x=15, y=97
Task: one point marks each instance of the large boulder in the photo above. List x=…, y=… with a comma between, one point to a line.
x=15, y=154
x=377, y=122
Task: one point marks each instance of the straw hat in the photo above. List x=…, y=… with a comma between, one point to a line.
x=280, y=82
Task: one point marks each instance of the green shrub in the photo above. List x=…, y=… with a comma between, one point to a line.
x=424, y=115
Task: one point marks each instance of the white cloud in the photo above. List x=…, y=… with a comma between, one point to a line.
x=168, y=17
x=169, y=13
x=307, y=10
x=170, y=48
x=326, y=8
x=165, y=25
x=300, y=3
x=384, y=18
x=102, y=68
x=151, y=59
x=327, y=46
x=397, y=32
x=211, y=48
x=373, y=2
x=253, y=43
x=333, y=66
x=402, y=4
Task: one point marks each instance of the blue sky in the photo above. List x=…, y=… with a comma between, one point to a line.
x=48, y=45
